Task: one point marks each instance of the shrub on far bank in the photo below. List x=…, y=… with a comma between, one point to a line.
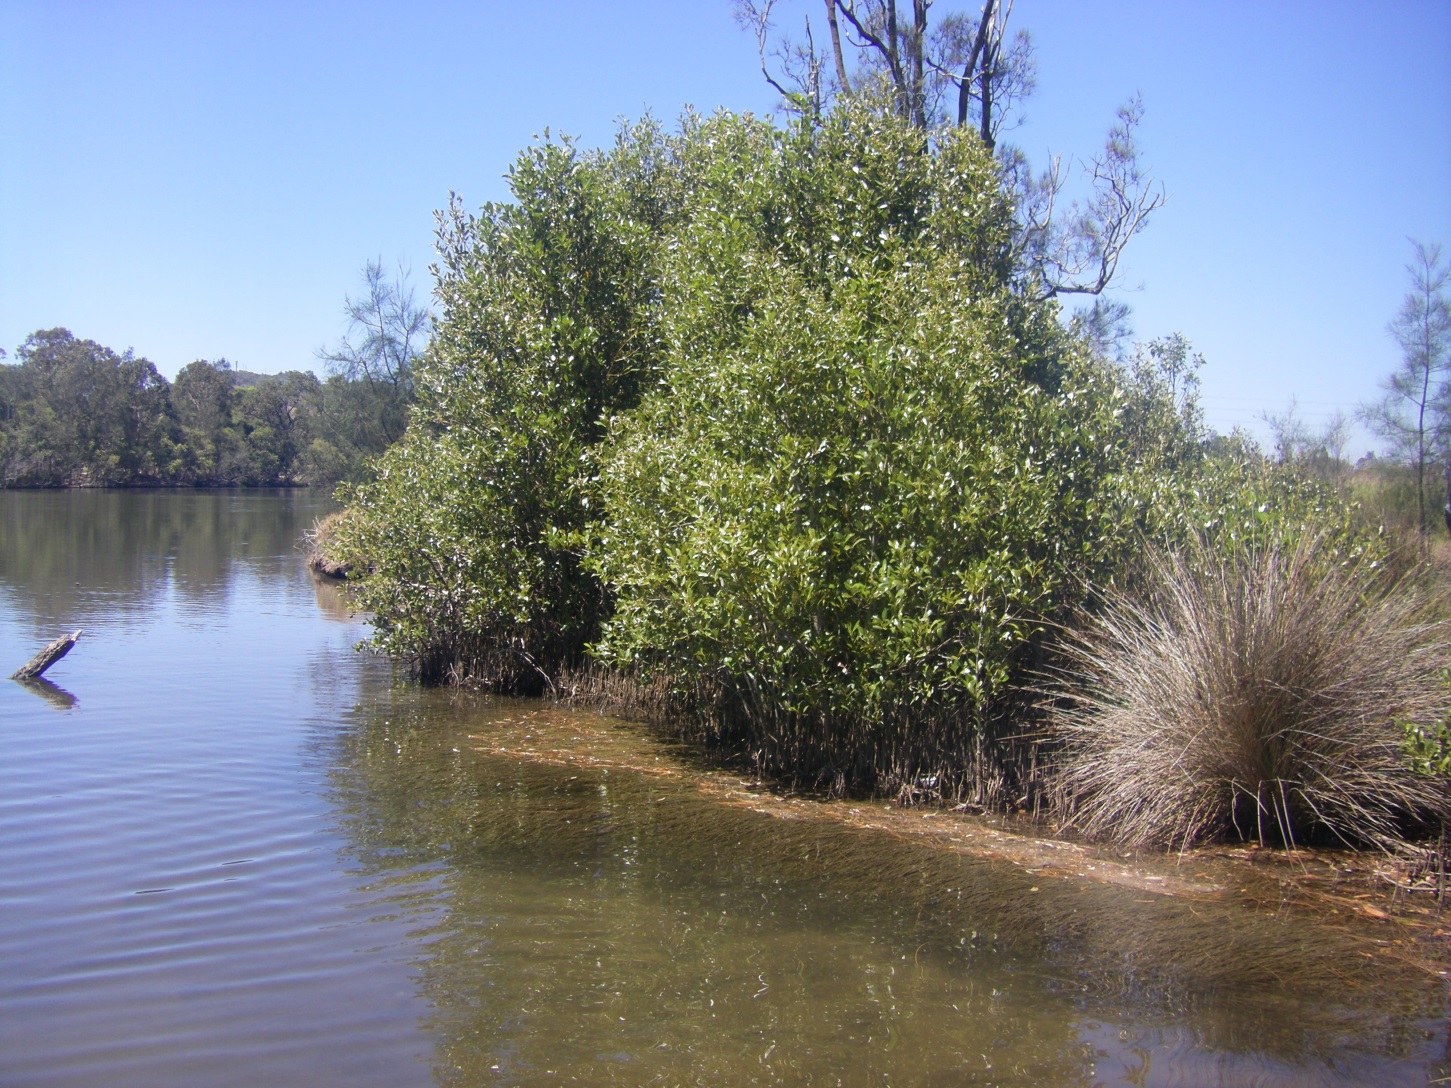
x=1259, y=694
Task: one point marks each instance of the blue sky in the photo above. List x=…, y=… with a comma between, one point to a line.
x=197, y=180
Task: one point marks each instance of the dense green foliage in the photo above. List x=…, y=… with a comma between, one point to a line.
x=548, y=328
x=874, y=474
x=772, y=415
x=1429, y=747
x=75, y=413
x=1428, y=743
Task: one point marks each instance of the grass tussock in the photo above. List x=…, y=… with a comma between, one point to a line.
x=321, y=543
x=1258, y=697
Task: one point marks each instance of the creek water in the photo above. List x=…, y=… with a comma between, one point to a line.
x=234, y=851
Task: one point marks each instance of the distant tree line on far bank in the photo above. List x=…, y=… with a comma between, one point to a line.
x=75, y=413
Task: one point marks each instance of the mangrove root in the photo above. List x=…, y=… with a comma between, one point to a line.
x=46, y=658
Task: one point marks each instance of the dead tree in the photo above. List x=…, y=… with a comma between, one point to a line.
x=47, y=657
x=1061, y=250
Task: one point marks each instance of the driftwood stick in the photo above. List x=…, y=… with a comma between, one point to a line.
x=46, y=658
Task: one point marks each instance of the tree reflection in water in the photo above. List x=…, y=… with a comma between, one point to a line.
x=120, y=546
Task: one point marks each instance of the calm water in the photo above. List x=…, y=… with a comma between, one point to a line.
x=235, y=852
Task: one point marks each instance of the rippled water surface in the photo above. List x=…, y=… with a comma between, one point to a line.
x=235, y=852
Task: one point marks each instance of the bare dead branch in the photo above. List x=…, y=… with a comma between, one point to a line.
x=1082, y=256
x=964, y=87
x=799, y=65
x=831, y=22
x=886, y=48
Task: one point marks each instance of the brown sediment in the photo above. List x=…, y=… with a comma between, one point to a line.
x=1364, y=896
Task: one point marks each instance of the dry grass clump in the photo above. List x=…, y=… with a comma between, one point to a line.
x=320, y=543
x=1256, y=697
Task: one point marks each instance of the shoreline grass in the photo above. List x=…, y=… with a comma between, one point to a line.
x=1260, y=697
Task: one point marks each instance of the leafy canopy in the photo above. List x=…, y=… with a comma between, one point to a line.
x=769, y=415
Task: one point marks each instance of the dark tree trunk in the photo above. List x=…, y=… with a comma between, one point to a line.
x=985, y=85
x=969, y=70
x=919, y=49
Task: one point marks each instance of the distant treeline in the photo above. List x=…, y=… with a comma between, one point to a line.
x=74, y=413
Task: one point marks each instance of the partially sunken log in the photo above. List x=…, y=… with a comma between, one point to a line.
x=46, y=658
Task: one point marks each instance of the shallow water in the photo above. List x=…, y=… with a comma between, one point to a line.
x=233, y=851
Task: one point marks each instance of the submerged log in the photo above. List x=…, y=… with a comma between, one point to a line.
x=46, y=658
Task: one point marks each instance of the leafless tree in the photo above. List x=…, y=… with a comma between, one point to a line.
x=969, y=63
x=795, y=62
x=1076, y=250
x=923, y=64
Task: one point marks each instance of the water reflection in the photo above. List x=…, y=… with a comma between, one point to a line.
x=172, y=910
x=622, y=926
x=56, y=696
x=332, y=599
x=72, y=553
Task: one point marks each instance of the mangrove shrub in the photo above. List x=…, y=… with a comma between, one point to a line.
x=872, y=470
x=769, y=417
x=548, y=326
